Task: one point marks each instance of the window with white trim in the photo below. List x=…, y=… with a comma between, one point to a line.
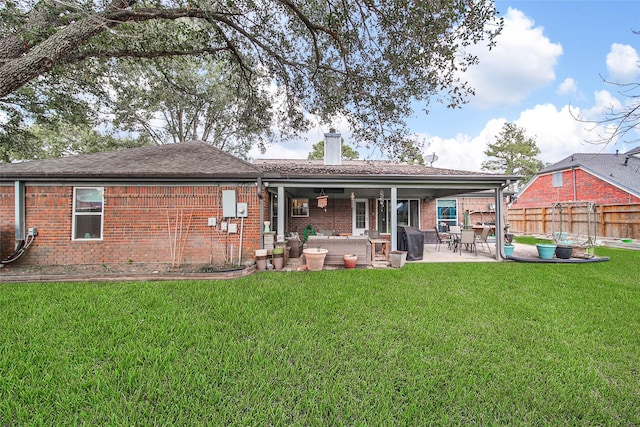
x=446, y=213
x=557, y=179
x=88, y=203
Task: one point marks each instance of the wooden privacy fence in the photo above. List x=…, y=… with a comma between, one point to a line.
x=613, y=221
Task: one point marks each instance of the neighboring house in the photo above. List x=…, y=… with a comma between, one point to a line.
x=191, y=203
x=611, y=181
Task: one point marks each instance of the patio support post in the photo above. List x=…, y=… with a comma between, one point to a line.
x=261, y=205
x=499, y=224
x=281, y=213
x=394, y=218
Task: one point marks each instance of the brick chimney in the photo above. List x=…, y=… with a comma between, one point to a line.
x=332, y=148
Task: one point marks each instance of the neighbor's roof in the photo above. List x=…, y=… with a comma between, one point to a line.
x=622, y=170
x=186, y=160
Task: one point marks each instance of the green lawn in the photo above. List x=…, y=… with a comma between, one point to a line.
x=442, y=344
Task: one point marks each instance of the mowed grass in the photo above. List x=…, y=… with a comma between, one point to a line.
x=441, y=344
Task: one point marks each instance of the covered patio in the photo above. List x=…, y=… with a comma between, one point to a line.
x=354, y=197
x=432, y=255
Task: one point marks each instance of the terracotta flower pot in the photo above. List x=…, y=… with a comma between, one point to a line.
x=350, y=260
x=315, y=258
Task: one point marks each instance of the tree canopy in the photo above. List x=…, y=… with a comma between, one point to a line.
x=361, y=60
x=176, y=99
x=513, y=153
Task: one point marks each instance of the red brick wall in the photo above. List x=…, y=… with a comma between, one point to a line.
x=7, y=228
x=140, y=225
x=336, y=216
x=542, y=193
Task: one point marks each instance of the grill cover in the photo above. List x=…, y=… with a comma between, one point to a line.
x=411, y=239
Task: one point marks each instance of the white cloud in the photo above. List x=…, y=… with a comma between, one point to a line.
x=556, y=132
x=522, y=61
x=623, y=63
x=568, y=86
x=604, y=102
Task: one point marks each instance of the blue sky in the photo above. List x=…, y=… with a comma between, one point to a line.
x=549, y=61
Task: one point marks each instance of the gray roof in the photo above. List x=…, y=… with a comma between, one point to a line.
x=354, y=168
x=193, y=160
x=621, y=170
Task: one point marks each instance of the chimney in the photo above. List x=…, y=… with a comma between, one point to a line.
x=332, y=148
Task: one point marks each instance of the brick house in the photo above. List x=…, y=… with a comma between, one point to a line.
x=611, y=181
x=148, y=204
x=191, y=203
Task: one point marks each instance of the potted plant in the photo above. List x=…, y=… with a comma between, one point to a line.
x=508, y=249
x=508, y=237
x=564, y=248
x=278, y=258
x=315, y=258
x=564, y=251
x=350, y=260
x=397, y=258
x=546, y=250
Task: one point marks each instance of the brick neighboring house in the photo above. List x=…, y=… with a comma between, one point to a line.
x=612, y=181
x=155, y=204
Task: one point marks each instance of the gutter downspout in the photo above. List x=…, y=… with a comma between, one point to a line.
x=20, y=219
x=575, y=189
x=499, y=222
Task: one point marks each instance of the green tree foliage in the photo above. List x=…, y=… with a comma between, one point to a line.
x=364, y=61
x=176, y=99
x=513, y=153
x=317, y=152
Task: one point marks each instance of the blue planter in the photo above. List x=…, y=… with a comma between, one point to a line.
x=508, y=250
x=546, y=250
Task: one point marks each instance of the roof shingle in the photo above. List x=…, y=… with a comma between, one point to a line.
x=186, y=160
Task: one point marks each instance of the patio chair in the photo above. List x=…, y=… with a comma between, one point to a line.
x=455, y=236
x=468, y=239
x=483, y=239
x=442, y=238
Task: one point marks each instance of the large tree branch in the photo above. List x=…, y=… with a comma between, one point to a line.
x=63, y=46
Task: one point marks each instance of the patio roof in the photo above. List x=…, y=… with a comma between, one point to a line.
x=304, y=178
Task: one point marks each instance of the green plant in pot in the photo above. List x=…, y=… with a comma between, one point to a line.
x=508, y=237
x=508, y=242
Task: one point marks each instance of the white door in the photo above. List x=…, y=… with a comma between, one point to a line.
x=360, y=222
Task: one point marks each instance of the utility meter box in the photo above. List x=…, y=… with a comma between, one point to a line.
x=229, y=203
x=241, y=211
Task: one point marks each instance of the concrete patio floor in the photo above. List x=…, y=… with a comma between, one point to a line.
x=444, y=254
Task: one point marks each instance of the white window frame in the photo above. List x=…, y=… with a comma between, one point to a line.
x=75, y=214
x=299, y=207
x=448, y=221
x=556, y=179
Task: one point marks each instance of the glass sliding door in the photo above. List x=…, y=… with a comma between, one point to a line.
x=407, y=212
